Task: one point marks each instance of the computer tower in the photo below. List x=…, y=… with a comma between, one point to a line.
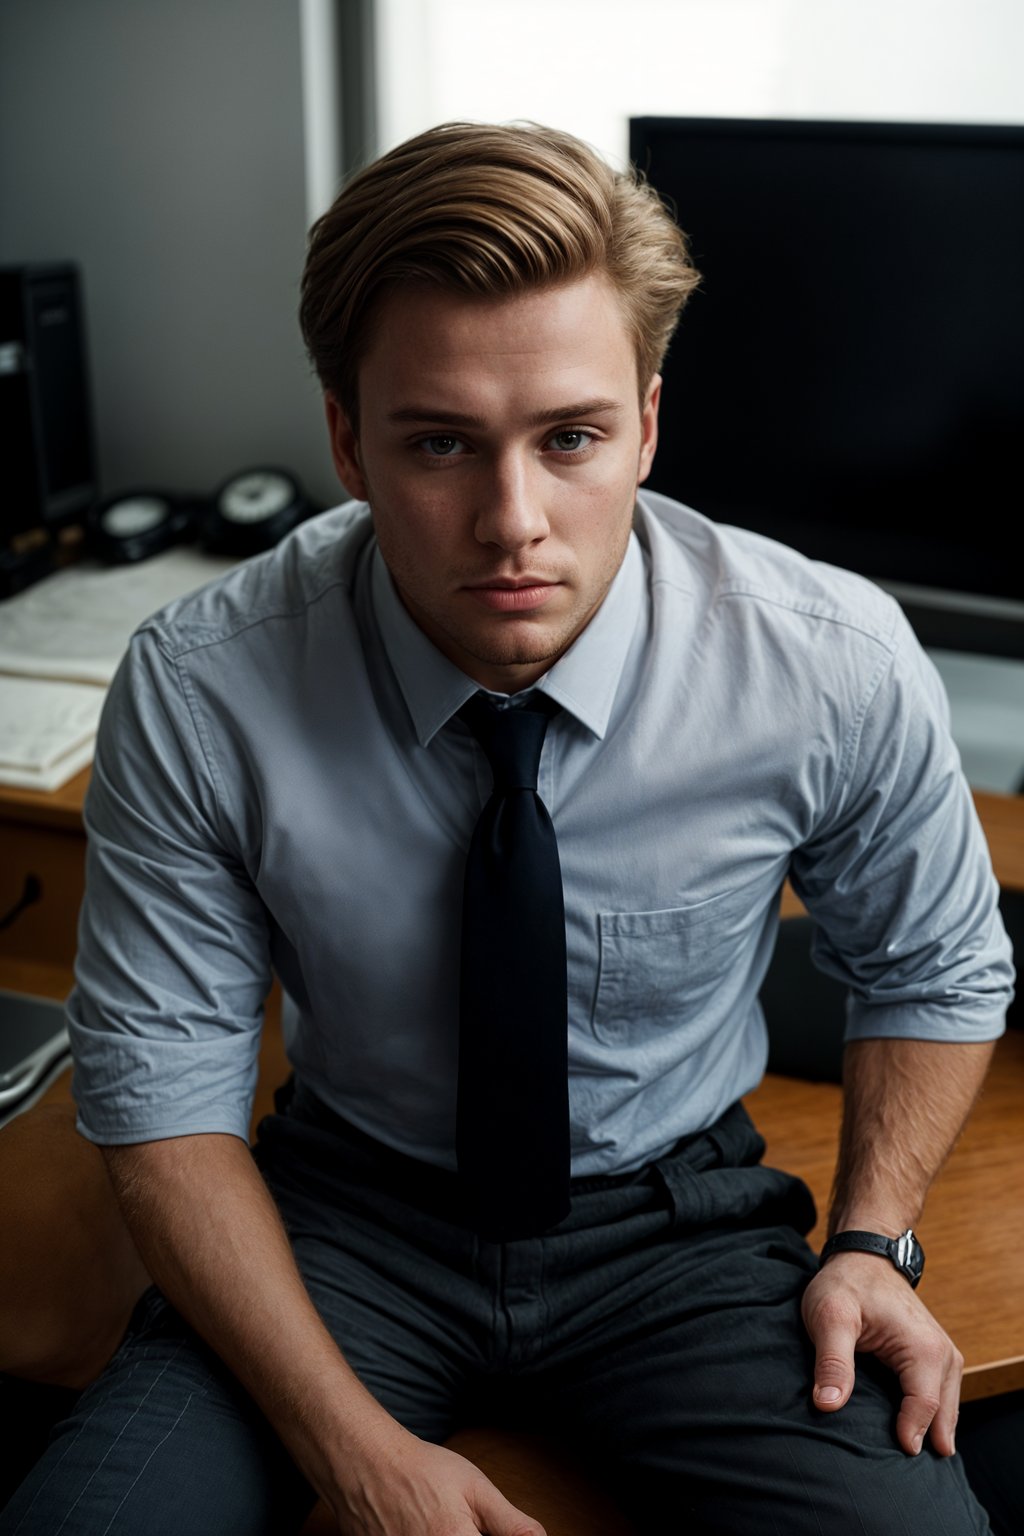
x=48, y=458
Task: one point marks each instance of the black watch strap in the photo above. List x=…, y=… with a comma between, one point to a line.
x=904, y=1252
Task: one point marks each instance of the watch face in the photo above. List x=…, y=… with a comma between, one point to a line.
x=254, y=497
x=910, y=1256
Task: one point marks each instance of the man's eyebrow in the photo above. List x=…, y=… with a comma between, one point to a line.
x=573, y=412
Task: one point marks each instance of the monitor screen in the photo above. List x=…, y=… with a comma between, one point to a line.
x=849, y=377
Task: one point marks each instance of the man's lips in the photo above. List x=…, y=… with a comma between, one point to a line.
x=513, y=596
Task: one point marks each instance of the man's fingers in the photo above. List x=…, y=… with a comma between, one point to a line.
x=834, y=1339
x=856, y=1303
x=834, y=1329
x=498, y=1517
x=833, y=1382
x=931, y=1403
x=916, y=1414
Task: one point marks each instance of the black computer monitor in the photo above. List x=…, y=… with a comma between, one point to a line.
x=849, y=378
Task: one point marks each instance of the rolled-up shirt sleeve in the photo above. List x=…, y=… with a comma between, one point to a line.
x=897, y=874
x=173, y=964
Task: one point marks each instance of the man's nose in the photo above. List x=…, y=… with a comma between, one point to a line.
x=511, y=514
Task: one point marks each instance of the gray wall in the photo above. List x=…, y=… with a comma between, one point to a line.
x=159, y=144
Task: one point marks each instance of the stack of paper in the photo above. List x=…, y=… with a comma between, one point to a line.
x=47, y=731
x=60, y=645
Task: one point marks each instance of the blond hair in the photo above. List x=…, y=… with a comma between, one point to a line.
x=489, y=211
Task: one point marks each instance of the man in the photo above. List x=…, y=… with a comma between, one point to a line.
x=292, y=776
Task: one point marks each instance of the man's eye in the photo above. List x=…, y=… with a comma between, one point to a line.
x=441, y=446
x=571, y=440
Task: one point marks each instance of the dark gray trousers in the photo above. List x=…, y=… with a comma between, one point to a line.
x=657, y=1329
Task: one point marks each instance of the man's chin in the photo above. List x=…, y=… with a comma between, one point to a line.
x=508, y=643
x=512, y=653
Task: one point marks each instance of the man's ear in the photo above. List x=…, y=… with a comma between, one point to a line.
x=344, y=449
x=649, y=428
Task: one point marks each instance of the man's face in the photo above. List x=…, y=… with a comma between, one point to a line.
x=500, y=447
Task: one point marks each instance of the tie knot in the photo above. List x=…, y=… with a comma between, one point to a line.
x=511, y=738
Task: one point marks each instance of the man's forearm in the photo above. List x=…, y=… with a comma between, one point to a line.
x=211, y=1237
x=905, y=1103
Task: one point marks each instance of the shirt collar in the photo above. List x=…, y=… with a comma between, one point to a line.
x=584, y=681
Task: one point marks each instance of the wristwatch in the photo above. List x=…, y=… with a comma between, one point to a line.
x=905, y=1252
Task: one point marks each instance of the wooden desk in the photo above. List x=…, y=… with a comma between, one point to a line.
x=974, y=1227
x=41, y=835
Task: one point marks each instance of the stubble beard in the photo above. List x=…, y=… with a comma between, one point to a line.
x=496, y=649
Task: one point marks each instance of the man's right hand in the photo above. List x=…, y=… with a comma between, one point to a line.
x=211, y=1237
x=412, y=1488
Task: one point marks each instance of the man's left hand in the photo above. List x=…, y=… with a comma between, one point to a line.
x=858, y=1301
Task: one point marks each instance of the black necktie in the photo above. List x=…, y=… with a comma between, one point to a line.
x=512, y=1133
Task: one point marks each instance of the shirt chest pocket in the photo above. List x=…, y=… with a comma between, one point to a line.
x=659, y=969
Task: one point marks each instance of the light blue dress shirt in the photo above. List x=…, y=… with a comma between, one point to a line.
x=279, y=785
